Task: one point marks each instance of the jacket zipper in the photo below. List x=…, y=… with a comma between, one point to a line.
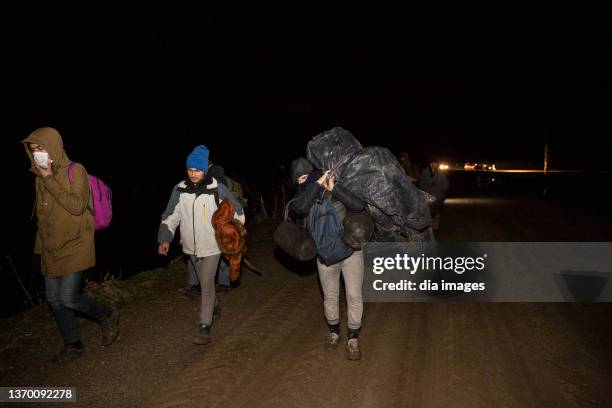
x=195, y=245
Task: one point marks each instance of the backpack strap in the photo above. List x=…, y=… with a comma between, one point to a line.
x=286, y=211
x=322, y=197
x=215, y=192
x=70, y=171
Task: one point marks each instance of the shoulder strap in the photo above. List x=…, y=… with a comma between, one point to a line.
x=286, y=211
x=70, y=171
x=214, y=191
x=323, y=197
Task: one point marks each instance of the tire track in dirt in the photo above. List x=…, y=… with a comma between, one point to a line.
x=453, y=361
x=320, y=377
x=434, y=376
x=292, y=362
x=510, y=383
x=567, y=369
x=389, y=348
x=234, y=359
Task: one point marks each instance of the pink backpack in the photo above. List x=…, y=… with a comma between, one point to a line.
x=102, y=196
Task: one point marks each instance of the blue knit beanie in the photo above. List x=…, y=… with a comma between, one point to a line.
x=198, y=159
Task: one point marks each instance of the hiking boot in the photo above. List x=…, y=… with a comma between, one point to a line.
x=352, y=349
x=69, y=353
x=332, y=340
x=217, y=312
x=109, y=326
x=203, y=336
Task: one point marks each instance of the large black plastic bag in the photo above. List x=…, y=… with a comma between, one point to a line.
x=331, y=149
x=399, y=209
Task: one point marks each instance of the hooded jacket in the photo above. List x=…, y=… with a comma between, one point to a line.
x=300, y=167
x=342, y=200
x=192, y=209
x=65, y=234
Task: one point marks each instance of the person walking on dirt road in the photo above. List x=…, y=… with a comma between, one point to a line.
x=191, y=206
x=350, y=268
x=65, y=241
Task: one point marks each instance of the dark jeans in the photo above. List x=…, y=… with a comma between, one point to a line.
x=65, y=297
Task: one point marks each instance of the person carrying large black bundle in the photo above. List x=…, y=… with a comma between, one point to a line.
x=326, y=204
x=399, y=209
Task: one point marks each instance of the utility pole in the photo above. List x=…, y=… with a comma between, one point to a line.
x=545, y=154
x=545, y=190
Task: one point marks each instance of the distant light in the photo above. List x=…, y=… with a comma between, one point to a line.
x=478, y=201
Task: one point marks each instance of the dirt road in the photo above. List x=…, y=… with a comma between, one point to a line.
x=268, y=347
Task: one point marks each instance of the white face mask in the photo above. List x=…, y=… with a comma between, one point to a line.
x=41, y=159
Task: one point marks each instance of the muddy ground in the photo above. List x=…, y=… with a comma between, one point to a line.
x=268, y=345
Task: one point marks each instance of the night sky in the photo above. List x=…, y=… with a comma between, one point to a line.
x=133, y=87
x=456, y=80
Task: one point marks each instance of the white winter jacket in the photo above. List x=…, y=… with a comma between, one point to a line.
x=192, y=209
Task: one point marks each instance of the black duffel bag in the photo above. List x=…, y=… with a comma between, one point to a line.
x=358, y=229
x=294, y=240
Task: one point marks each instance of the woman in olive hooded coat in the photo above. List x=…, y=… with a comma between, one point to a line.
x=65, y=240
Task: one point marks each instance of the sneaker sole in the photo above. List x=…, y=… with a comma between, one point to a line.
x=201, y=341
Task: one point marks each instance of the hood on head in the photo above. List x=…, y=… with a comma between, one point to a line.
x=51, y=140
x=299, y=167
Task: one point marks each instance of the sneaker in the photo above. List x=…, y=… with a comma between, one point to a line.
x=352, y=349
x=203, y=336
x=109, y=326
x=68, y=354
x=332, y=340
